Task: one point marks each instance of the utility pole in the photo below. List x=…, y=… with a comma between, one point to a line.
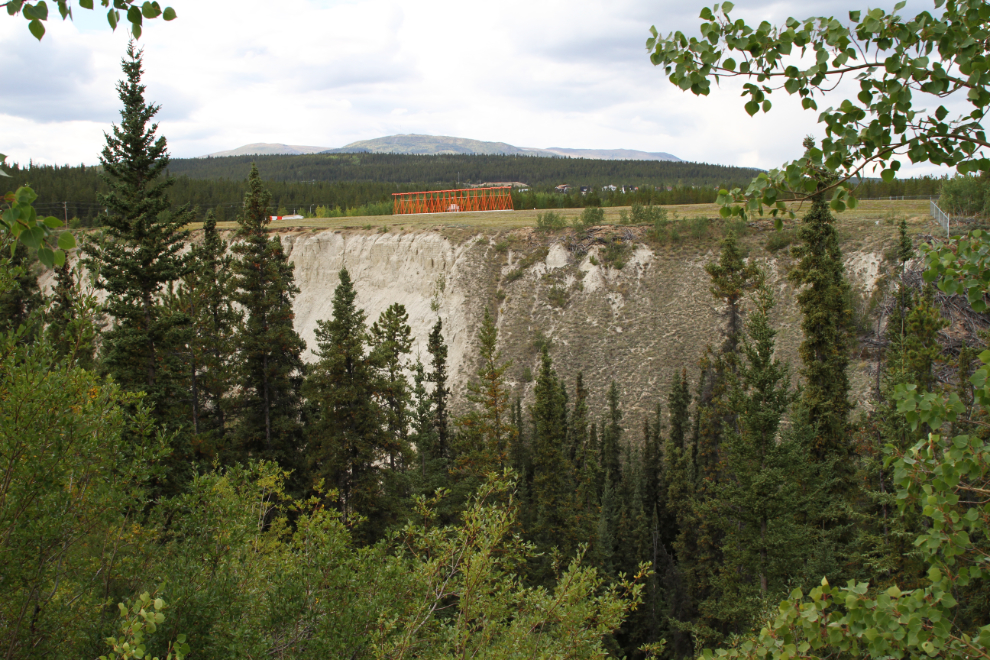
x=65, y=207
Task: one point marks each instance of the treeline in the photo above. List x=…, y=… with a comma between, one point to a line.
x=71, y=192
x=447, y=170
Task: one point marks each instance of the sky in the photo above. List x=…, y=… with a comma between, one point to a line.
x=532, y=73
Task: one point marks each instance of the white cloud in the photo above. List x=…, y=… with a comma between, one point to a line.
x=560, y=73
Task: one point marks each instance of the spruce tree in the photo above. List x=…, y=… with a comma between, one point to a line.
x=441, y=393
x=611, y=444
x=140, y=250
x=391, y=339
x=654, y=497
x=486, y=430
x=587, y=470
x=680, y=528
x=270, y=349
x=423, y=435
x=206, y=296
x=552, y=484
x=731, y=277
x=758, y=505
x=72, y=318
x=347, y=444
x=826, y=324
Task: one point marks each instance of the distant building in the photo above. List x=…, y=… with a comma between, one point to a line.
x=585, y=190
x=609, y=188
x=287, y=217
x=563, y=188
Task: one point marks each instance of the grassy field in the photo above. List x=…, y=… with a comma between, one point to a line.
x=875, y=211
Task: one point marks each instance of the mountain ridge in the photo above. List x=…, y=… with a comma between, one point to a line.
x=418, y=144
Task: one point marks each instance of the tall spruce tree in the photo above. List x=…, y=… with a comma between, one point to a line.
x=271, y=365
x=679, y=531
x=757, y=506
x=347, y=443
x=440, y=395
x=206, y=296
x=140, y=250
x=552, y=483
x=486, y=431
x=826, y=323
x=391, y=339
x=611, y=443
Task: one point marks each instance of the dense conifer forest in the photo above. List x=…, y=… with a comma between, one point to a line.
x=363, y=184
x=176, y=480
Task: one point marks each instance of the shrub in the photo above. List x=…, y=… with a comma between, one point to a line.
x=616, y=253
x=590, y=217
x=557, y=296
x=502, y=247
x=778, y=240
x=698, y=227
x=541, y=341
x=550, y=221
x=648, y=215
x=527, y=375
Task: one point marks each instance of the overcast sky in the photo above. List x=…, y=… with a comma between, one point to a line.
x=533, y=73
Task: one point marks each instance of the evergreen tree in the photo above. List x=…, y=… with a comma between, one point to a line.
x=731, y=277
x=680, y=530
x=391, y=339
x=24, y=296
x=424, y=432
x=72, y=318
x=206, y=297
x=654, y=497
x=486, y=431
x=139, y=252
x=826, y=325
x=441, y=393
x=611, y=447
x=270, y=349
x=757, y=506
x=552, y=483
x=604, y=548
x=578, y=427
x=347, y=443
x=587, y=470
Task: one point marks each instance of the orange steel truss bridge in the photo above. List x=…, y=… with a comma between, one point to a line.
x=453, y=201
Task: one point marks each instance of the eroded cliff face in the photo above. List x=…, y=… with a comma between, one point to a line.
x=638, y=326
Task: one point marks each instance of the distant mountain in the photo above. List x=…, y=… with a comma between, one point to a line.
x=268, y=149
x=612, y=154
x=433, y=145
x=441, y=144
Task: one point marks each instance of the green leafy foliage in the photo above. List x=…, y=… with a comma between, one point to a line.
x=138, y=621
x=21, y=224
x=893, y=59
x=37, y=14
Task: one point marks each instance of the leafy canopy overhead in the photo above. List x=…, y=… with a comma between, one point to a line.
x=894, y=60
x=36, y=14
